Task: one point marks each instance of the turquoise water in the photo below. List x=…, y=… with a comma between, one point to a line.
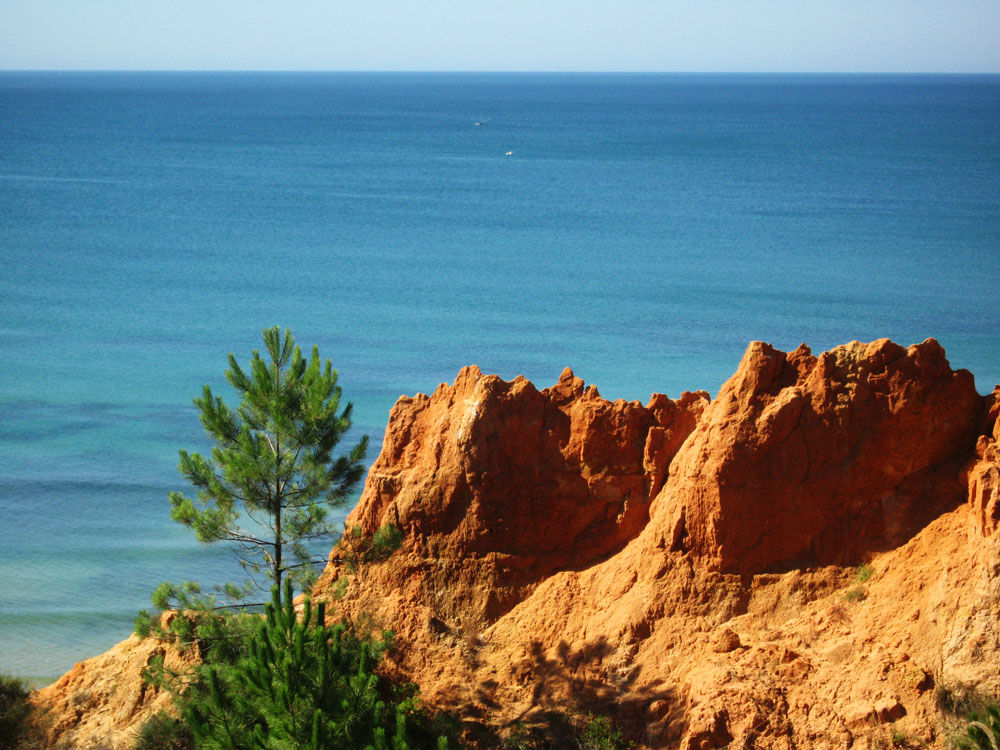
x=643, y=230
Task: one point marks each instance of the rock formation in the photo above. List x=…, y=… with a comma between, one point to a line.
x=805, y=460
x=984, y=474
x=501, y=484
x=102, y=702
x=809, y=559
x=546, y=569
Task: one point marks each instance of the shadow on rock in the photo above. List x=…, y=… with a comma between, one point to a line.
x=562, y=691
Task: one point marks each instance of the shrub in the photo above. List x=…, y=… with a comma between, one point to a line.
x=898, y=738
x=598, y=733
x=865, y=572
x=164, y=732
x=983, y=729
x=517, y=738
x=301, y=684
x=14, y=710
x=857, y=594
x=556, y=729
x=960, y=700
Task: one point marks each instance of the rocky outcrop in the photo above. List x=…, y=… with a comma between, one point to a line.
x=102, y=702
x=689, y=568
x=805, y=460
x=984, y=473
x=500, y=484
x=730, y=609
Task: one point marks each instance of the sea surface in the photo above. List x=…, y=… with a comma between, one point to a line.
x=641, y=229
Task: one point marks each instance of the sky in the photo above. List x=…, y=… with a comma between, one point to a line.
x=960, y=36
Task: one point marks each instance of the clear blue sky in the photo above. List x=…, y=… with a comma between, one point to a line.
x=556, y=35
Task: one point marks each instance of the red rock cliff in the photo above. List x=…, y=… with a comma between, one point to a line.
x=509, y=483
x=805, y=460
x=984, y=473
x=678, y=565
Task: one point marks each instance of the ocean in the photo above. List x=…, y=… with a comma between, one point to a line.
x=641, y=229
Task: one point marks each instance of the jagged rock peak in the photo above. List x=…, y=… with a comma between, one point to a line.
x=806, y=460
x=524, y=481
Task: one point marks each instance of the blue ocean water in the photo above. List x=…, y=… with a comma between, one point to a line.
x=639, y=228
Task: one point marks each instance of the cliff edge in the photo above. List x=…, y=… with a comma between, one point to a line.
x=691, y=568
x=810, y=560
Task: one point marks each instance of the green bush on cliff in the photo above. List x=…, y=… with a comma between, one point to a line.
x=983, y=729
x=14, y=710
x=298, y=683
x=556, y=729
x=598, y=733
x=164, y=732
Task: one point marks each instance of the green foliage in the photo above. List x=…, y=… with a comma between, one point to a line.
x=983, y=729
x=517, y=737
x=960, y=700
x=217, y=633
x=300, y=684
x=273, y=463
x=864, y=573
x=856, y=594
x=386, y=541
x=975, y=715
x=598, y=733
x=282, y=680
x=14, y=710
x=163, y=732
x=268, y=485
x=556, y=729
x=898, y=737
x=357, y=550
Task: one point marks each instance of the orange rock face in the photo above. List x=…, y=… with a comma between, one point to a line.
x=102, y=702
x=805, y=460
x=518, y=483
x=718, y=611
x=984, y=474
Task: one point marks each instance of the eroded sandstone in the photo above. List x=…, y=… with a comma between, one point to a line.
x=735, y=613
x=497, y=484
x=805, y=460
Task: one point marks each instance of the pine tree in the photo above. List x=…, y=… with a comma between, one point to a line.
x=279, y=681
x=273, y=462
x=300, y=685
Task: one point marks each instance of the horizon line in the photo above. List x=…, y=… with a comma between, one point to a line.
x=473, y=71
